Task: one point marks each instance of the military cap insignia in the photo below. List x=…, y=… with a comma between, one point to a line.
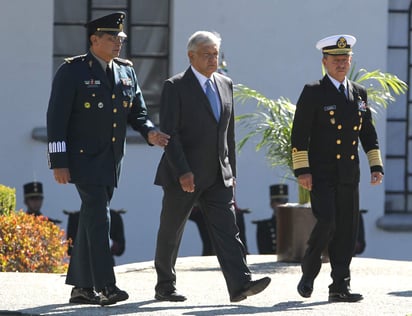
x=341, y=43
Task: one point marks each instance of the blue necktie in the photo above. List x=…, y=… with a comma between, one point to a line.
x=212, y=96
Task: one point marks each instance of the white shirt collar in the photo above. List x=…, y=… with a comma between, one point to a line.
x=336, y=83
x=202, y=78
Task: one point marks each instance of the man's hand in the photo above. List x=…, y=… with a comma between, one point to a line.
x=305, y=181
x=376, y=178
x=158, y=138
x=62, y=175
x=187, y=182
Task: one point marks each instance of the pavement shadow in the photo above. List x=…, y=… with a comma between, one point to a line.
x=249, y=310
x=401, y=293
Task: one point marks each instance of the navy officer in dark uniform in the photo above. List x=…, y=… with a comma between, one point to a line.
x=94, y=96
x=332, y=116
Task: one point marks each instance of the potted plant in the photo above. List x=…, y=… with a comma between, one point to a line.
x=272, y=125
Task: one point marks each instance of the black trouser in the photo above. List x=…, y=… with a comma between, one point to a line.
x=216, y=203
x=91, y=262
x=336, y=208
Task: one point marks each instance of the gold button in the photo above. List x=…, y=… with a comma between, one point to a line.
x=339, y=126
x=113, y=96
x=331, y=112
x=93, y=94
x=355, y=128
x=360, y=114
x=338, y=141
x=337, y=156
x=114, y=110
x=113, y=139
x=81, y=151
x=354, y=143
x=114, y=125
x=352, y=157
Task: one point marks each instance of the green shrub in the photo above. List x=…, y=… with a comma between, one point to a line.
x=31, y=244
x=7, y=199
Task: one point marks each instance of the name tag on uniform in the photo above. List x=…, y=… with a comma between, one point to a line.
x=329, y=107
x=92, y=83
x=126, y=81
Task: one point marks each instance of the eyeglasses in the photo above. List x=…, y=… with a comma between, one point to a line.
x=116, y=39
x=209, y=55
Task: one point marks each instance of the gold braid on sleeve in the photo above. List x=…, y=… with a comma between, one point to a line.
x=300, y=159
x=374, y=157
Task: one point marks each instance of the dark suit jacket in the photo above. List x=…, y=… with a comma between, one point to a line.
x=329, y=127
x=198, y=143
x=86, y=119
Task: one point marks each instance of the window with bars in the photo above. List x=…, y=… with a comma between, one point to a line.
x=147, y=46
x=398, y=169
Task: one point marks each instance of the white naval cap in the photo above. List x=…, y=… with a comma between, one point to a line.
x=336, y=44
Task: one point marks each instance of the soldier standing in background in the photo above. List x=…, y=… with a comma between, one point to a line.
x=266, y=228
x=33, y=199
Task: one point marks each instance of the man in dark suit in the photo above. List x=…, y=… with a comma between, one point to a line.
x=93, y=98
x=331, y=116
x=199, y=166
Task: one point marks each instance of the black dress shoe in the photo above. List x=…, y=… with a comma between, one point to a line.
x=171, y=296
x=251, y=288
x=111, y=294
x=345, y=296
x=305, y=287
x=81, y=295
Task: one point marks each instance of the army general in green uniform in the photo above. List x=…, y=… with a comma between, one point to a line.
x=332, y=116
x=93, y=98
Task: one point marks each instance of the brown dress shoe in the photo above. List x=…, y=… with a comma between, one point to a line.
x=251, y=288
x=81, y=295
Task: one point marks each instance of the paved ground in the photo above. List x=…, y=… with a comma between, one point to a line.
x=385, y=284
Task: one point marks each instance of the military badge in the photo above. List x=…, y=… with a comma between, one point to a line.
x=100, y=105
x=87, y=105
x=126, y=82
x=125, y=104
x=361, y=105
x=332, y=121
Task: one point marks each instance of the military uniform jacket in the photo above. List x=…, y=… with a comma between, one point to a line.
x=86, y=119
x=326, y=131
x=198, y=143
